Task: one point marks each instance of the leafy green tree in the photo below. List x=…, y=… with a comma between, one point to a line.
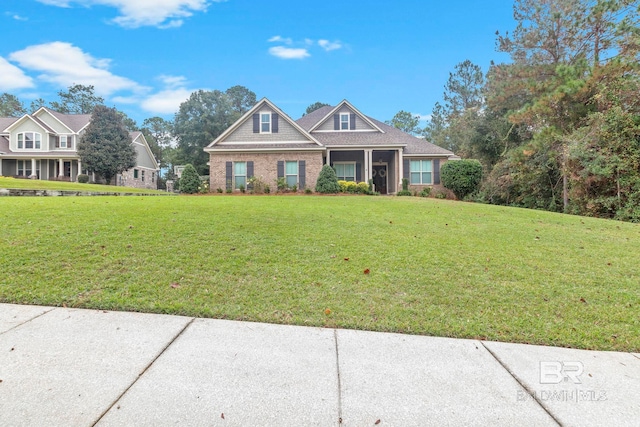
x=327, y=181
x=128, y=123
x=406, y=122
x=201, y=119
x=36, y=104
x=11, y=106
x=463, y=177
x=105, y=147
x=241, y=99
x=464, y=88
x=77, y=99
x=315, y=106
x=190, y=180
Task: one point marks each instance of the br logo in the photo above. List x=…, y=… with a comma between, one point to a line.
x=557, y=372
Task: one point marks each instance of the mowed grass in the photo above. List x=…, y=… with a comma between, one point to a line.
x=36, y=184
x=435, y=267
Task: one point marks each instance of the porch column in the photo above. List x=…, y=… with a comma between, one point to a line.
x=34, y=174
x=328, y=161
x=60, y=167
x=400, y=169
x=79, y=168
x=1, y=166
x=370, y=163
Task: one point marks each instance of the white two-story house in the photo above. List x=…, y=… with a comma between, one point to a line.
x=43, y=145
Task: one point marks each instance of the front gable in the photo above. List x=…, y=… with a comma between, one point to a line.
x=345, y=118
x=264, y=125
x=53, y=122
x=144, y=155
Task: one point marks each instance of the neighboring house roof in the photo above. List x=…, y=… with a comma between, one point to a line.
x=4, y=145
x=74, y=122
x=5, y=122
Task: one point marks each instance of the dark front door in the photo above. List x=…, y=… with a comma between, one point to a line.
x=380, y=178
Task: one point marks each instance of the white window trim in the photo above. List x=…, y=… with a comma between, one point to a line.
x=235, y=186
x=355, y=173
x=66, y=141
x=297, y=174
x=24, y=141
x=348, y=115
x=266, y=113
x=421, y=171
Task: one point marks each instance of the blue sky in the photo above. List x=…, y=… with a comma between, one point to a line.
x=146, y=56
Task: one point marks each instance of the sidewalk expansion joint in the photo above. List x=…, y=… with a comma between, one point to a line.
x=335, y=338
x=144, y=370
x=529, y=391
x=28, y=320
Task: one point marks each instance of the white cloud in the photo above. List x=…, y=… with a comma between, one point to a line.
x=289, y=52
x=279, y=39
x=422, y=117
x=173, y=81
x=13, y=77
x=139, y=13
x=329, y=46
x=64, y=64
x=167, y=101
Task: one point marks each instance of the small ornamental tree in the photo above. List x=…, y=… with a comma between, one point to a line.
x=190, y=180
x=105, y=147
x=327, y=181
x=461, y=176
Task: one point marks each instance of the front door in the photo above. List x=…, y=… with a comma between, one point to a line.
x=380, y=178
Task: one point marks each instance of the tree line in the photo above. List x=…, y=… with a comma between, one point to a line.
x=557, y=127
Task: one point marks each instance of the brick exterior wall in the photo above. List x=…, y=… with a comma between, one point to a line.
x=127, y=178
x=265, y=166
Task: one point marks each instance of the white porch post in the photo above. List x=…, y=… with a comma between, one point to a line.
x=79, y=168
x=60, y=167
x=400, y=169
x=328, y=160
x=33, y=169
x=1, y=166
x=370, y=163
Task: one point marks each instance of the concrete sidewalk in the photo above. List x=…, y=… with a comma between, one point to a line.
x=71, y=367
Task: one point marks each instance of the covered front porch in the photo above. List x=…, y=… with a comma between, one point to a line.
x=382, y=166
x=63, y=169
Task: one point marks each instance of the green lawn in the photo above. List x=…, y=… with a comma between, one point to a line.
x=35, y=184
x=436, y=267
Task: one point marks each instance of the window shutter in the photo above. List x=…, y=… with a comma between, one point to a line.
x=249, y=169
x=274, y=122
x=336, y=122
x=229, y=176
x=249, y=175
x=256, y=123
x=405, y=168
x=358, y=172
x=302, y=174
x=57, y=142
x=280, y=169
x=352, y=121
x=436, y=171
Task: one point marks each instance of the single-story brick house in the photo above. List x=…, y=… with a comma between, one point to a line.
x=268, y=144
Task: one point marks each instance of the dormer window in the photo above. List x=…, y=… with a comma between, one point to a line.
x=344, y=121
x=63, y=141
x=29, y=140
x=265, y=122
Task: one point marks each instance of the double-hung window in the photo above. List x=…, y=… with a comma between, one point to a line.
x=142, y=176
x=291, y=173
x=421, y=172
x=240, y=174
x=135, y=174
x=265, y=122
x=345, y=171
x=29, y=140
x=344, y=121
x=63, y=141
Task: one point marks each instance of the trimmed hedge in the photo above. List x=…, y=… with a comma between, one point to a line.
x=461, y=176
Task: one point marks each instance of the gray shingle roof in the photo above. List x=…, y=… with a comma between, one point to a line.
x=391, y=137
x=75, y=122
x=43, y=124
x=5, y=122
x=4, y=145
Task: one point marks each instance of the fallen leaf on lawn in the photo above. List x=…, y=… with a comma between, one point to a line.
x=131, y=226
x=333, y=256
x=583, y=300
x=346, y=259
x=175, y=285
x=327, y=311
x=367, y=271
